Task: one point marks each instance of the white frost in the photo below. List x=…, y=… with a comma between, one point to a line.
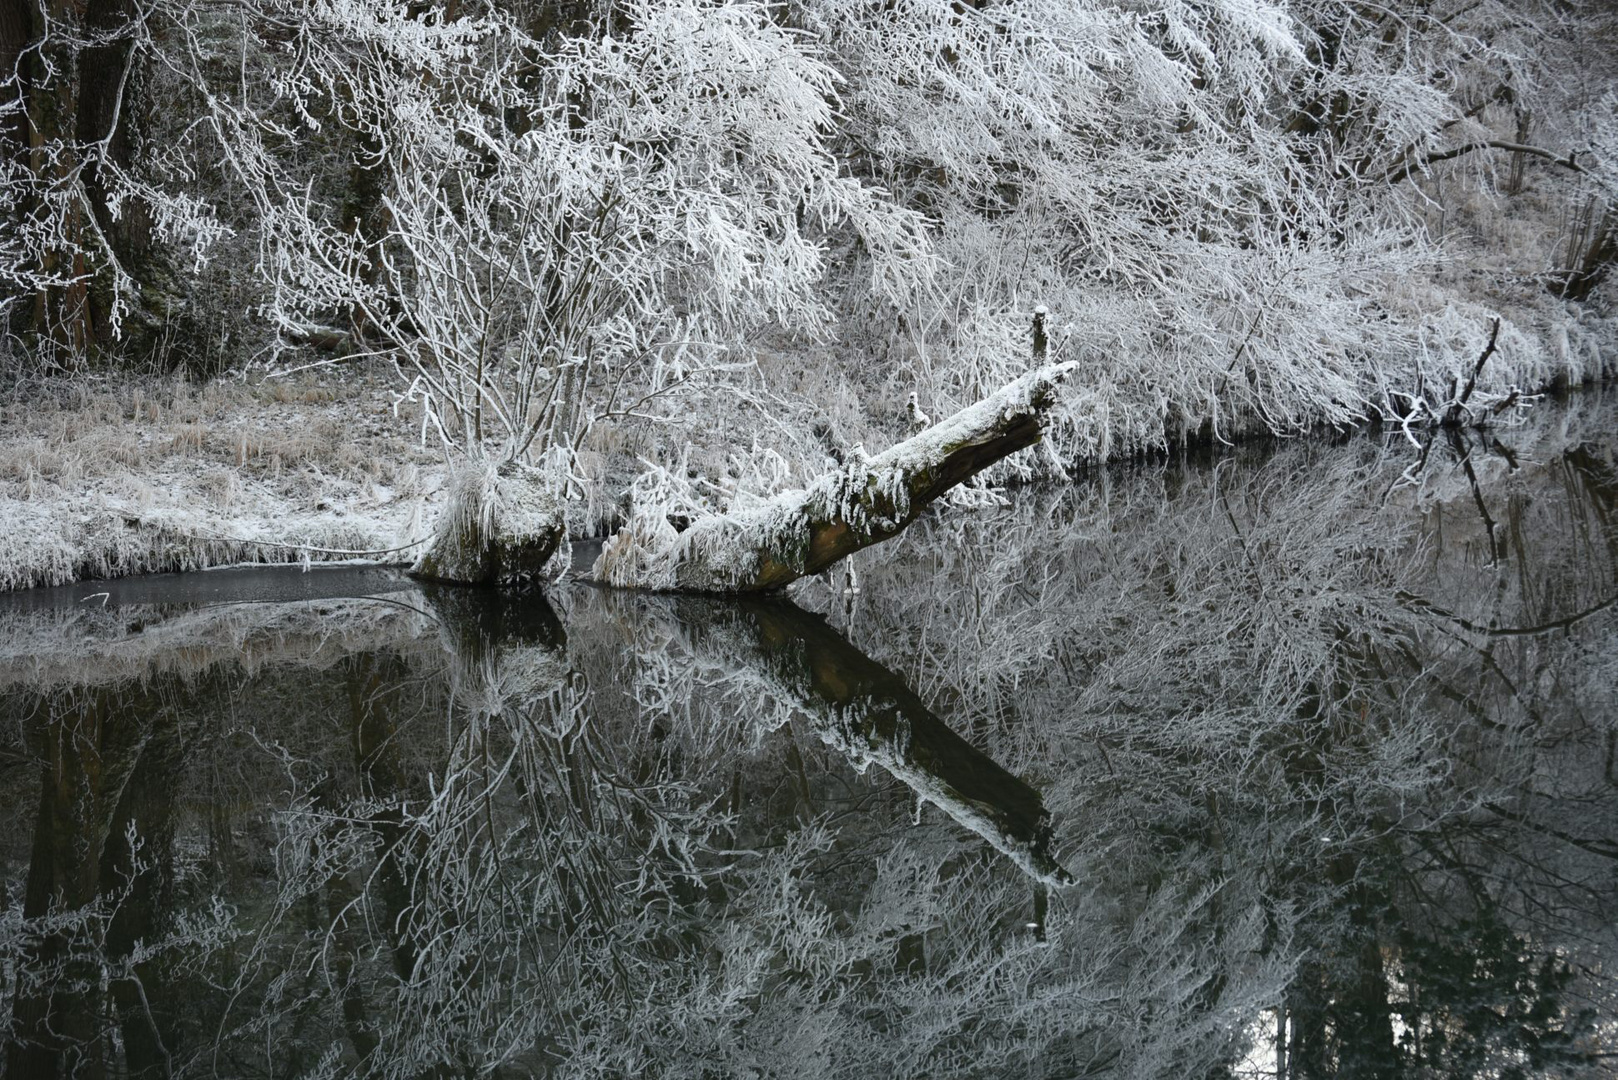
x=721, y=551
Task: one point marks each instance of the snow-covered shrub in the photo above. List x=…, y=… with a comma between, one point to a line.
x=670, y=229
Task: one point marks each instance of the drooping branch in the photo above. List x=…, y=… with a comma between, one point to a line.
x=869, y=500
x=1568, y=160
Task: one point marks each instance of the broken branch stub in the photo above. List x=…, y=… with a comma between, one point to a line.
x=869, y=500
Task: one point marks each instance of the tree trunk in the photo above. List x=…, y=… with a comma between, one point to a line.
x=499, y=524
x=74, y=117
x=60, y=310
x=107, y=113
x=15, y=24
x=799, y=533
x=1588, y=267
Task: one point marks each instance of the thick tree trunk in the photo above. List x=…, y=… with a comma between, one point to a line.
x=106, y=114
x=75, y=116
x=499, y=524
x=15, y=25
x=799, y=533
x=50, y=69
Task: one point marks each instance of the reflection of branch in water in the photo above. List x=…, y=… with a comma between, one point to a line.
x=1489, y=523
x=869, y=712
x=478, y=620
x=102, y=846
x=545, y=877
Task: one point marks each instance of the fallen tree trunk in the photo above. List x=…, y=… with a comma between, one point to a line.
x=869, y=500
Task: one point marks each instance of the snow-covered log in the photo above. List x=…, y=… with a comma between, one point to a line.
x=869, y=500
x=500, y=522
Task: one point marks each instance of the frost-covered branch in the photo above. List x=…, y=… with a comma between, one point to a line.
x=1567, y=161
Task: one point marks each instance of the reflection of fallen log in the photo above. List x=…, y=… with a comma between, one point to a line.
x=869, y=500
x=868, y=712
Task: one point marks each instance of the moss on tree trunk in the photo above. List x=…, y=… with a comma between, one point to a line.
x=499, y=524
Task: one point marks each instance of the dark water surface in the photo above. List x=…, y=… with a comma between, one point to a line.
x=1300, y=762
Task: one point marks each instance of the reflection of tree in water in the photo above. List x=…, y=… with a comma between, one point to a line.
x=1327, y=761
x=1387, y=721
x=104, y=758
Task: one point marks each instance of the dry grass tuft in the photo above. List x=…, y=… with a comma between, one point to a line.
x=208, y=474
x=186, y=437
x=290, y=392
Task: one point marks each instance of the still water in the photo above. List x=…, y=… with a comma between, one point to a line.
x=1295, y=762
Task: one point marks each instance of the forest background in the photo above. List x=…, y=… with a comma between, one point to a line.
x=277, y=275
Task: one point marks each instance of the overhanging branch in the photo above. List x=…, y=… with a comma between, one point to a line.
x=1568, y=160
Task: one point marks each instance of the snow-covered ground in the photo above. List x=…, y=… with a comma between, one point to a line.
x=112, y=476
x=103, y=478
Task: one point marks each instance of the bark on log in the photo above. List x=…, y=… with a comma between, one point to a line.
x=869, y=500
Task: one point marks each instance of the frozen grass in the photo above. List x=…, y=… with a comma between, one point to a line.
x=496, y=522
x=106, y=478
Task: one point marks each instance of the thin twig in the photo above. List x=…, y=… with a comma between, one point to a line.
x=1452, y=415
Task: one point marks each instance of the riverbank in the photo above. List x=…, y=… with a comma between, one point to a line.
x=106, y=476
x=1240, y=703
